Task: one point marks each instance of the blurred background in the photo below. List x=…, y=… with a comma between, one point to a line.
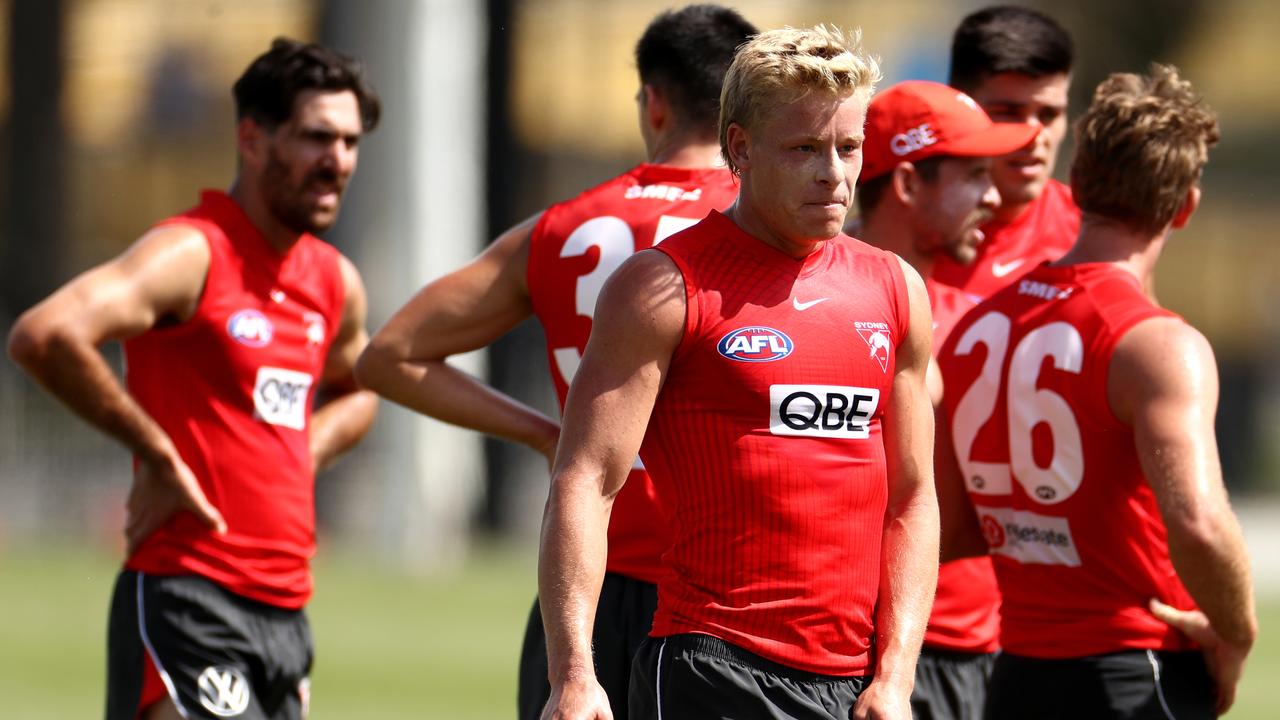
x=114, y=113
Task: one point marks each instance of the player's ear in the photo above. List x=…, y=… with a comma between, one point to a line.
x=250, y=140
x=738, y=145
x=1188, y=208
x=904, y=183
x=657, y=111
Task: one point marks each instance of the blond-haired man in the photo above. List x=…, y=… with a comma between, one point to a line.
x=1082, y=416
x=771, y=372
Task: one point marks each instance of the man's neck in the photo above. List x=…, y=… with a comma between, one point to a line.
x=682, y=152
x=1006, y=214
x=891, y=231
x=1103, y=240
x=749, y=221
x=255, y=208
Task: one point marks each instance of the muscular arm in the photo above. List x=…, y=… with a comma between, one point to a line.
x=57, y=341
x=960, y=534
x=462, y=311
x=1163, y=381
x=160, y=277
x=346, y=412
x=638, y=324
x=909, y=552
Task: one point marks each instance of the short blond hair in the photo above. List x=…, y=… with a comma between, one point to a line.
x=1140, y=147
x=781, y=66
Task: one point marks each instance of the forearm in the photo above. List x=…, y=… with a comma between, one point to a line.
x=571, y=565
x=1214, y=567
x=908, y=581
x=75, y=372
x=441, y=391
x=340, y=423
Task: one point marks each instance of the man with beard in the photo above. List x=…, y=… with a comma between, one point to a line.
x=234, y=316
x=1016, y=63
x=925, y=190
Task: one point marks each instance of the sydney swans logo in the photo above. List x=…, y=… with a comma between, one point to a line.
x=876, y=335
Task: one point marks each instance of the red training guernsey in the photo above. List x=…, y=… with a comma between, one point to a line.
x=966, y=609
x=1078, y=542
x=766, y=439
x=1044, y=232
x=232, y=387
x=574, y=248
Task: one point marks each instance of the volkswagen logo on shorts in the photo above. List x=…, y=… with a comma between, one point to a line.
x=755, y=344
x=224, y=691
x=251, y=328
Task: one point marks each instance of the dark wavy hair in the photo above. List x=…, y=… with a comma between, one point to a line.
x=267, y=90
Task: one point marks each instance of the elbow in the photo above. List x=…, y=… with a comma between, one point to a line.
x=1194, y=531
x=31, y=342
x=370, y=368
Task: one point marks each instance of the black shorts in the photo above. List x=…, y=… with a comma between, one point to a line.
x=1134, y=685
x=624, y=616
x=950, y=685
x=218, y=654
x=700, y=677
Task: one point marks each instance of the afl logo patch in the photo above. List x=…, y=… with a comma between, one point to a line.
x=250, y=327
x=755, y=344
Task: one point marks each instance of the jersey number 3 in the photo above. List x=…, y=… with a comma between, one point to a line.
x=616, y=241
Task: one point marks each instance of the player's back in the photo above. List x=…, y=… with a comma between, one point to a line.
x=1078, y=542
x=574, y=248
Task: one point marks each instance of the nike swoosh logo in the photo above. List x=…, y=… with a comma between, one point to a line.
x=1002, y=269
x=802, y=306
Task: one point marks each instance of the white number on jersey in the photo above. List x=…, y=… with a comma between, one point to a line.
x=1026, y=407
x=616, y=242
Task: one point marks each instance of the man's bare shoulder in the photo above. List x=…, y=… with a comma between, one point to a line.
x=1159, y=357
x=647, y=292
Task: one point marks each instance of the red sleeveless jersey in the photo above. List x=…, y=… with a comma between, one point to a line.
x=574, y=248
x=1078, y=542
x=232, y=386
x=966, y=608
x=1044, y=232
x=766, y=440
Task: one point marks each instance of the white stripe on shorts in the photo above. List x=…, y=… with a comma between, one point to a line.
x=146, y=642
x=657, y=678
x=1155, y=671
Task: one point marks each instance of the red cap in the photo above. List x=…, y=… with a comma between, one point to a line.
x=917, y=119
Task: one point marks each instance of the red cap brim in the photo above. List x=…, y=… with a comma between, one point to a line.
x=999, y=139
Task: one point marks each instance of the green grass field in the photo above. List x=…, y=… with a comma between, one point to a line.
x=388, y=645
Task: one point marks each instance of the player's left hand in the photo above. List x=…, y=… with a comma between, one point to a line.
x=884, y=699
x=1224, y=660
x=162, y=486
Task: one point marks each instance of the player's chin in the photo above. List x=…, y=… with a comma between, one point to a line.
x=321, y=219
x=963, y=253
x=823, y=221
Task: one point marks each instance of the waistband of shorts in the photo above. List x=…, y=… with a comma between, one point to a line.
x=715, y=647
x=948, y=655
